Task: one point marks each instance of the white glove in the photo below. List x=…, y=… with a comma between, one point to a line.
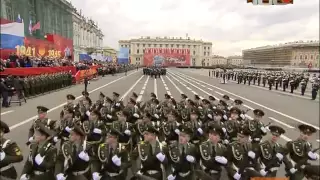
x=313, y=156
x=171, y=177
x=263, y=172
x=225, y=117
x=127, y=132
x=279, y=156
x=109, y=116
x=221, y=159
x=60, y=176
x=68, y=129
x=39, y=159
x=156, y=116
x=293, y=170
x=242, y=116
x=136, y=115
x=55, y=139
x=200, y=130
x=139, y=172
x=177, y=131
x=23, y=177
x=96, y=176
x=97, y=131
x=263, y=129
x=210, y=116
x=236, y=176
x=190, y=158
x=116, y=160
x=117, y=104
x=226, y=141
x=88, y=113
x=161, y=157
x=2, y=155
x=84, y=156
x=251, y=154
x=31, y=139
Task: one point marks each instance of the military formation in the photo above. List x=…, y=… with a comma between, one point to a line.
x=154, y=71
x=278, y=80
x=189, y=139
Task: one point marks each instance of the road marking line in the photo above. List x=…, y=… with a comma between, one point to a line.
x=258, y=104
x=155, y=87
x=249, y=117
x=61, y=105
x=318, y=140
x=165, y=86
x=131, y=88
x=181, y=92
x=143, y=88
x=280, y=122
x=7, y=112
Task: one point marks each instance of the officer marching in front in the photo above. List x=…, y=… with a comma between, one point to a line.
x=212, y=154
x=271, y=153
x=73, y=158
x=41, y=160
x=112, y=160
x=151, y=154
x=42, y=117
x=299, y=152
x=182, y=156
x=9, y=153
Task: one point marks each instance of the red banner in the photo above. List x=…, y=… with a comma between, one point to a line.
x=166, y=57
x=37, y=70
x=86, y=73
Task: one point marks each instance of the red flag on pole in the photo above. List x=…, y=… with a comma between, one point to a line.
x=36, y=26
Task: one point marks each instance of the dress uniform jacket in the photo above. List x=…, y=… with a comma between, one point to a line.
x=257, y=130
x=45, y=170
x=47, y=122
x=122, y=127
x=103, y=164
x=168, y=131
x=13, y=155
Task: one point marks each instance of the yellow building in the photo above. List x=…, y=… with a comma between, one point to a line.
x=108, y=51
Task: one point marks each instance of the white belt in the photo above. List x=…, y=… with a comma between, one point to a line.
x=184, y=174
x=257, y=139
x=38, y=172
x=6, y=168
x=152, y=172
x=213, y=171
x=274, y=169
x=81, y=172
x=114, y=174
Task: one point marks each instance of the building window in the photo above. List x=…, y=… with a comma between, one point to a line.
x=160, y=45
x=306, y=57
x=154, y=45
x=317, y=56
x=194, y=46
x=137, y=51
x=207, y=64
x=208, y=48
x=149, y=45
x=182, y=46
x=188, y=46
x=167, y=45
x=7, y=10
x=205, y=48
x=143, y=50
x=125, y=45
x=138, y=45
x=143, y=45
x=311, y=57
x=177, y=45
x=204, y=53
x=301, y=57
x=295, y=57
x=121, y=45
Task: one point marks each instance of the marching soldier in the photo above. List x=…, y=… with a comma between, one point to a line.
x=271, y=153
x=256, y=127
x=242, y=159
x=299, y=152
x=169, y=129
x=232, y=125
x=112, y=159
x=70, y=103
x=9, y=153
x=42, y=117
x=41, y=160
x=212, y=154
x=196, y=126
x=151, y=154
x=73, y=158
x=182, y=156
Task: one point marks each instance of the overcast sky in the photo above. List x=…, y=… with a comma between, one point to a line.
x=231, y=25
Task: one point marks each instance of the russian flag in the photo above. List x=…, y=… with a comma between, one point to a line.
x=12, y=34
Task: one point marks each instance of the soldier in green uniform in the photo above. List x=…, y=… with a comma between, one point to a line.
x=299, y=152
x=73, y=161
x=9, y=153
x=26, y=86
x=151, y=154
x=256, y=127
x=271, y=153
x=41, y=161
x=182, y=156
x=42, y=117
x=32, y=86
x=212, y=154
x=112, y=160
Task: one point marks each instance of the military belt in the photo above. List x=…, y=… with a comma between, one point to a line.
x=212, y=171
x=39, y=172
x=78, y=173
x=184, y=174
x=152, y=172
x=114, y=174
x=6, y=167
x=274, y=169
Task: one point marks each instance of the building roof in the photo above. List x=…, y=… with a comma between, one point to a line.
x=312, y=43
x=165, y=38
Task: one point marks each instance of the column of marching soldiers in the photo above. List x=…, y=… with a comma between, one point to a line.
x=278, y=80
x=187, y=139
